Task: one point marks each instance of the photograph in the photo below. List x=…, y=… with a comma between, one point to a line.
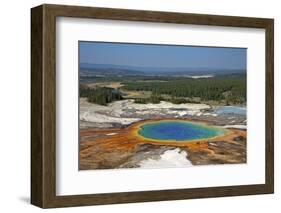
x=161, y=106
x=140, y=105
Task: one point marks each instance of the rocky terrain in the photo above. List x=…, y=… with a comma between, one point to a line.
x=108, y=139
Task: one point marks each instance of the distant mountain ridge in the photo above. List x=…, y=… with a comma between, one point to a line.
x=88, y=69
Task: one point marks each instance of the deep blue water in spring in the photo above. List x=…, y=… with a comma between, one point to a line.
x=178, y=131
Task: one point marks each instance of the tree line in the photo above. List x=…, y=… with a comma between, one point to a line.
x=216, y=89
x=100, y=95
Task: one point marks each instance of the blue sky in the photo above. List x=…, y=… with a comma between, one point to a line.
x=168, y=56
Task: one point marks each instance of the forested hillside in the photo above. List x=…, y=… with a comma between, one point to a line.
x=232, y=90
x=229, y=89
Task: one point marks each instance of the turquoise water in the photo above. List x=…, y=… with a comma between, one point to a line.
x=178, y=131
x=231, y=110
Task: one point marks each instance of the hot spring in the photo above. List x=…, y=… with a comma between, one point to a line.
x=173, y=130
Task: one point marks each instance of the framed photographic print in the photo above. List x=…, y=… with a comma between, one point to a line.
x=136, y=106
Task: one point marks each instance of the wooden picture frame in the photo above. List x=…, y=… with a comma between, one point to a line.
x=43, y=105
